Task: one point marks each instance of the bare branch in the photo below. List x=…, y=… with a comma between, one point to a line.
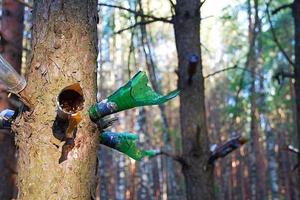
x=285, y=6
x=275, y=37
x=220, y=71
x=202, y=2
x=174, y=157
x=230, y=68
x=172, y=4
x=207, y=17
x=135, y=25
x=138, y=13
x=281, y=75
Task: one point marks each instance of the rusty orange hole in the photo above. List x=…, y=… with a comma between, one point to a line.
x=70, y=99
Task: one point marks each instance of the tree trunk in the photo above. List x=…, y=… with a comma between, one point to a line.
x=198, y=176
x=296, y=15
x=168, y=163
x=11, y=50
x=64, y=53
x=257, y=175
x=272, y=163
x=146, y=184
x=12, y=32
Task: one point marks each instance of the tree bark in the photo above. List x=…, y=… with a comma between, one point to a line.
x=198, y=176
x=64, y=53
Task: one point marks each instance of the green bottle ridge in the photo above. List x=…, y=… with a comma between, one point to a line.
x=125, y=143
x=133, y=94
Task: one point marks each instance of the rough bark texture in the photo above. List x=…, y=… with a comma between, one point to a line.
x=64, y=53
x=11, y=50
x=198, y=176
x=296, y=15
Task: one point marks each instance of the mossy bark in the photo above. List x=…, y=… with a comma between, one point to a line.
x=64, y=52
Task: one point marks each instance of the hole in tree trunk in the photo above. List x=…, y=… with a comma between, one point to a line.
x=69, y=102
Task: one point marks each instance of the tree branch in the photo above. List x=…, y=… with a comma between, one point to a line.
x=201, y=4
x=220, y=71
x=135, y=25
x=281, y=75
x=174, y=157
x=275, y=11
x=207, y=17
x=138, y=13
x=275, y=37
x=230, y=68
x=172, y=4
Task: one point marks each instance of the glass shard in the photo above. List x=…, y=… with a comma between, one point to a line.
x=135, y=93
x=125, y=143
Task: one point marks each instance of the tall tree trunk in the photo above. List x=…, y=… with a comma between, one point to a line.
x=146, y=186
x=168, y=163
x=198, y=176
x=12, y=32
x=256, y=159
x=64, y=53
x=272, y=163
x=296, y=15
x=11, y=50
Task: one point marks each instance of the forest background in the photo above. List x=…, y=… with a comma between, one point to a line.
x=248, y=56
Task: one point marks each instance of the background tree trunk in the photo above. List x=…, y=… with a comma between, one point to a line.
x=64, y=53
x=198, y=176
x=11, y=50
x=296, y=15
x=12, y=32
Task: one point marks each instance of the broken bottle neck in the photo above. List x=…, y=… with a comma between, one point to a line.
x=14, y=82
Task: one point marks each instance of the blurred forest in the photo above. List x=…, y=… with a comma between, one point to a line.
x=249, y=54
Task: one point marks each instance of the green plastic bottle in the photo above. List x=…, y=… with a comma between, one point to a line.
x=134, y=94
x=125, y=143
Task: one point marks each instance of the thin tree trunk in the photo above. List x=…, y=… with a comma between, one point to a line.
x=168, y=165
x=198, y=176
x=11, y=50
x=256, y=161
x=12, y=32
x=272, y=163
x=296, y=15
x=146, y=186
x=64, y=53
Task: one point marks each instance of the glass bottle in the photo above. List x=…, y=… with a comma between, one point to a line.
x=6, y=117
x=133, y=94
x=14, y=82
x=125, y=143
x=227, y=148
